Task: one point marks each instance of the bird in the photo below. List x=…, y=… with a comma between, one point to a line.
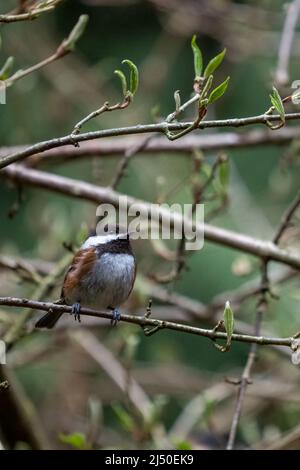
x=101, y=275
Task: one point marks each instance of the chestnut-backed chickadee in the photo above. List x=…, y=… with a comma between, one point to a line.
x=101, y=276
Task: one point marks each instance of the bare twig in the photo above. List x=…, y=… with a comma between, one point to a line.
x=155, y=145
x=181, y=252
x=144, y=144
x=288, y=32
x=32, y=13
x=16, y=330
x=103, y=109
x=144, y=321
x=245, y=379
x=22, y=268
x=66, y=46
x=286, y=219
x=139, y=129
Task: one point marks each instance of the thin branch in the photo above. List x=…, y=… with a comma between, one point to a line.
x=98, y=194
x=30, y=15
x=17, y=329
x=156, y=145
x=144, y=144
x=66, y=46
x=22, y=268
x=261, y=309
x=128, y=154
x=103, y=109
x=185, y=308
x=139, y=129
x=143, y=321
x=23, y=73
x=245, y=379
x=198, y=193
x=288, y=32
x=286, y=219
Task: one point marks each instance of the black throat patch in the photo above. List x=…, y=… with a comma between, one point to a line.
x=118, y=246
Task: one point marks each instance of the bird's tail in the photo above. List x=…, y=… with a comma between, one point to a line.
x=50, y=318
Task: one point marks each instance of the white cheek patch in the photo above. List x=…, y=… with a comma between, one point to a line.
x=101, y=240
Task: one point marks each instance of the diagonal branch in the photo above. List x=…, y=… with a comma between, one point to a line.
x=286, y=219
x=97, y=194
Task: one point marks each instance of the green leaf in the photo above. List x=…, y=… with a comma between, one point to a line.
x=183, y=445
x=134, y=76
x=229, y=324
x=198, y=61
x=224, y=171
x=277, y=103
x=82, y=234
x=122, y=77
x=125, y=419
x=206, y=169
x=214, y=64
x=78, y=30
x=5, y=72
x=76, y=440
x=218, y=92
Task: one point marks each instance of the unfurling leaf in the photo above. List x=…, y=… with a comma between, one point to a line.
x=134, y=76
x=218, y=92
x=277, y=103
x=228, y=322
x=122, y=77
x=5, y=72
x=214, y=64
x=229, y=325
x=78, y=30
x=177, y=100
x=198, y=62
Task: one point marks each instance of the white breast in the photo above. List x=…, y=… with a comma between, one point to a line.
x=110, y=283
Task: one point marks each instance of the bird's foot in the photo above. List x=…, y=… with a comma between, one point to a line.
x=76, y=311
x=116, y=316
